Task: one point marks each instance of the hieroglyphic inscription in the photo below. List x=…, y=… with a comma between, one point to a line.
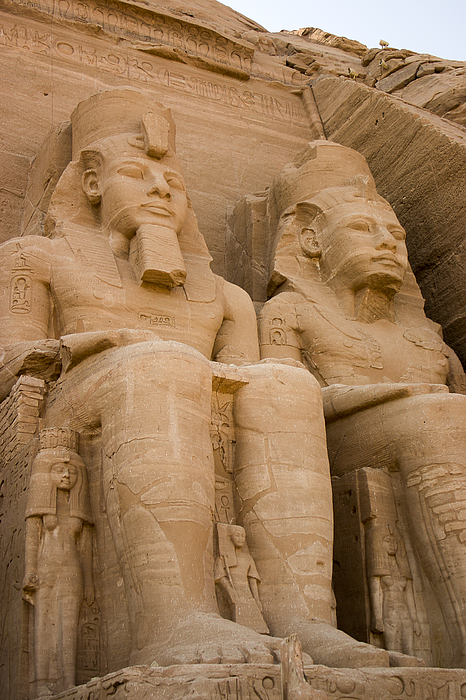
x=21, y=284
x=155, y=320
x=419, y=684
x=136, y=23
x=129, y=65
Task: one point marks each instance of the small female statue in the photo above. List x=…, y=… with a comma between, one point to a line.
x=391, y=589
x=237, y=576
x=58, y=571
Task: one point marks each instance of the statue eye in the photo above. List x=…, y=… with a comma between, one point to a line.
x=398, y=233
x=175, y=182
x=360, y=226
x=131, y=171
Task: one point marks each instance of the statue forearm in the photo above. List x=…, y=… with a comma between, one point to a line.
x=342, y=400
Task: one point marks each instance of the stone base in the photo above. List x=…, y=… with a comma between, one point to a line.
x=254, y=681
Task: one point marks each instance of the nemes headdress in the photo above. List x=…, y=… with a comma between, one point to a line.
x=322, y=175
x=146, y=124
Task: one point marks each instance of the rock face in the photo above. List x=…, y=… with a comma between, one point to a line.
x=167, y=497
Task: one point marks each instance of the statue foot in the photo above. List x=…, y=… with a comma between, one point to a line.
x=205, y=638
x=332, y=647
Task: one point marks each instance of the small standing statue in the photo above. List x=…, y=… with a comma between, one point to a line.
x=236, y=575
x=391, y=590
x=58, y=572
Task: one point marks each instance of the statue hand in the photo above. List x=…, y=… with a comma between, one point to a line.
x=377, y=626
x=30, y=586
x=89, y=594
x=417, y=628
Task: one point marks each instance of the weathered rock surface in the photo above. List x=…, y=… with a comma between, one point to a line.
x=245, y=101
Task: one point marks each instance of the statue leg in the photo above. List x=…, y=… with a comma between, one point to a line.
x=285, y=504
x=424, y=436
x=69, y=614
x=432, y=459
x=153, y=402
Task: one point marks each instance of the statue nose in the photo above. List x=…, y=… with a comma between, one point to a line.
x=159, y=186
x=385, y=240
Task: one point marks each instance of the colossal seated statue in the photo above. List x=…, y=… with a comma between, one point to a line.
x=345, y=304
x=120, y=293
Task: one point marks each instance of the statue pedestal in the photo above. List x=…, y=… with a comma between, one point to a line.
x=253, y=681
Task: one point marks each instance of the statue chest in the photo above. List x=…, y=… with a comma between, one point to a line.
x=85, y=300
x=351, y=352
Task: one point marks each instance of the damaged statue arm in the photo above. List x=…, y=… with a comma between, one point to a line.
x=31, y=580
x=25, y=311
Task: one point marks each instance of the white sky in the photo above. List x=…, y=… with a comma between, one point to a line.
x=424, y=26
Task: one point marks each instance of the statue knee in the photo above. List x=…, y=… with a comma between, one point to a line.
x=279, y=392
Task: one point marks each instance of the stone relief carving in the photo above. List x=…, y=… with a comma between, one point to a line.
x=145, y=331
x=391, y=589
x=346, y=302
x=236, y=575
x=58, y=567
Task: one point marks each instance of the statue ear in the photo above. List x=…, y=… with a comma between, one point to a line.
x=309, y=243
x=306, y=214
x=91, y=185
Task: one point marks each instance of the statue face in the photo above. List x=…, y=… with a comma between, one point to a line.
x=136, y=189
x=363, y=244
x=63, y=475
x=238, y=537
x=391, y=545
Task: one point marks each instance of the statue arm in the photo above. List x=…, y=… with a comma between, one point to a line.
x=222, y=580
x=255, y=591
x=236, y=342
x=86, y=562
x=278, y=330
x=342, y=400
x=31, y=580
x=411, y=603
x=25, y=310
x=376, y=597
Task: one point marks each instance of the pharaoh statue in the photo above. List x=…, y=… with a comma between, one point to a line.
x=345, y=303
x=121, y=287
x=58, y=571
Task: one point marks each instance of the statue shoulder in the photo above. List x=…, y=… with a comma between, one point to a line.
x=30, y=254
x=235, y=298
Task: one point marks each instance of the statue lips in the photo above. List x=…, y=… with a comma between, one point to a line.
x=387, y=258
x=158, y=208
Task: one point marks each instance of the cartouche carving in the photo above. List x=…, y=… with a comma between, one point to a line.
x=354, y=315
x=58, y=568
